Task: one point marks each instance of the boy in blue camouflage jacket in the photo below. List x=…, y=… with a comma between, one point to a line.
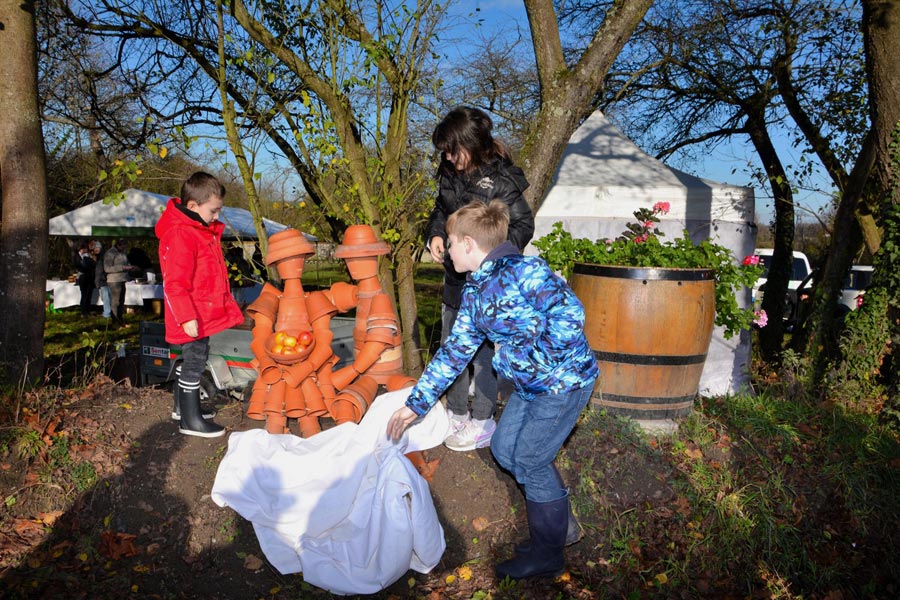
x=537, y=326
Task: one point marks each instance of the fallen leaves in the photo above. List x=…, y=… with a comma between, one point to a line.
x=116, y=545
x=253, y=562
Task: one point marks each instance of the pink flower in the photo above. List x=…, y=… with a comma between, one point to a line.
x=641, y=238
x=750, y=260
x=761, y=318
x=859, y=301
x=661, y=207
x=648, y=224
x=608, y=241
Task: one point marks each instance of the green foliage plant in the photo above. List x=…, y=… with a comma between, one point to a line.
x=640, y=246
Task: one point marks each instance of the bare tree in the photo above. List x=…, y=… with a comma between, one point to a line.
x=23, y=231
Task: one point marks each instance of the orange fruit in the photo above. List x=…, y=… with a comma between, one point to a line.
x=289, y=341
x=277, y=349
x=279, y=337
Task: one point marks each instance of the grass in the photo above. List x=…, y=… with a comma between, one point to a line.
x=774, y=497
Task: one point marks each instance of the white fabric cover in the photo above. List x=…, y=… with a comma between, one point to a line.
x=603, y=177
x=344, y=507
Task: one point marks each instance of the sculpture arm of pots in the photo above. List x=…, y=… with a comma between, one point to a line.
x=269, y=371
x=365, y=359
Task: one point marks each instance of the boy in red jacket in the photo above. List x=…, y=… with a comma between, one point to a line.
x=198, y=300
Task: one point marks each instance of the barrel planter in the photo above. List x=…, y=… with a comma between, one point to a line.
x=650, y=330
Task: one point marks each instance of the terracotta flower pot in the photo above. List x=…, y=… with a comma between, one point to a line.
x=286, y=244
x=276, y=424
x=344, y=296
x=294, y=403
x=309, y=426
x=360, y=240
x=398, y=382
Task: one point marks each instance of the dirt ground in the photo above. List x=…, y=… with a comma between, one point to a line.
x=148, y=527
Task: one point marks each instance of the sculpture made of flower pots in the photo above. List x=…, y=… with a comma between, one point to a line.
x=301, y=384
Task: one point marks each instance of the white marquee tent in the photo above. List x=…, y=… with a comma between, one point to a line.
x=135, y=214
x=604, y=177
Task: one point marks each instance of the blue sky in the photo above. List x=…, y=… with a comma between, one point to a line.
x=726, y=164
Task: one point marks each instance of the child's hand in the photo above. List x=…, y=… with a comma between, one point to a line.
x=399, y=421
x=190, y=327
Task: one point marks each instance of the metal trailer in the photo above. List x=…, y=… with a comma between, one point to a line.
x=228, y=370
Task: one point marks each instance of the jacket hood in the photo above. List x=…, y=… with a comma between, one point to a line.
x=507, y=248
x=177, y=215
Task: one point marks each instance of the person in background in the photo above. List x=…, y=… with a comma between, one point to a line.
x=140, y=261
x=87, y=268
x=100, y=278
x=117, y=268
x=198, y=300
x=474, y=166
x=537, y=325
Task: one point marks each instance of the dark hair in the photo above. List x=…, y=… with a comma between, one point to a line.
x=469, y=129
x=200, y=187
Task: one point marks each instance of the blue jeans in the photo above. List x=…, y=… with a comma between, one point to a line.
x=529, y=436
x=485, y=400
x=105, y=299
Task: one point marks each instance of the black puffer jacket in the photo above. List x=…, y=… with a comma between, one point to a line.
x=500, y=180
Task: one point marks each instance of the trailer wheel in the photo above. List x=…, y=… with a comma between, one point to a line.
x=208, y=390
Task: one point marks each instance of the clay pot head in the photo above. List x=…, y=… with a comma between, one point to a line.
x=360, y=241
x=290, y=346
x=290, y=243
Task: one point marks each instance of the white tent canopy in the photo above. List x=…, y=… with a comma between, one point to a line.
x=603, y=178
x=135, y=213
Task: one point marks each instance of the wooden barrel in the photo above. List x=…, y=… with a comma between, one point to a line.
x=650, y=331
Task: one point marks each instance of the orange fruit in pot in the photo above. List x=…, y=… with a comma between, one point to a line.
x=279, y=337
x=277, y=349
x=305, y=338
x=289, y=341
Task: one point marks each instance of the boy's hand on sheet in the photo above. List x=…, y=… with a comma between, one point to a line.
x=190, y=327
x=399, y=421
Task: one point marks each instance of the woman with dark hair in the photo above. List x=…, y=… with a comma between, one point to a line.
x=474, y=166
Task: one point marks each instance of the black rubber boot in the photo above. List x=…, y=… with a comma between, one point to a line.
x=192, y=423
x=573, y=534
x=548, y=522
x=207, y=412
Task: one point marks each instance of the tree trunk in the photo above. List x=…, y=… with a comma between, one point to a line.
x=772, y=335
x=23, y=180
x=568, y=95
x=881, y=34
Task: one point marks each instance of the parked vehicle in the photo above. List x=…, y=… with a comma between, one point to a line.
x=858, y=279
x=800, y=271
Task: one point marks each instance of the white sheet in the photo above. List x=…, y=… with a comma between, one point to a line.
x=344, y=507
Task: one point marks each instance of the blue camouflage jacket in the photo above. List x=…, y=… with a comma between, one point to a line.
x=534, y=320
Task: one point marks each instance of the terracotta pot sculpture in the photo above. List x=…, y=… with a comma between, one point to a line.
x=292, y=337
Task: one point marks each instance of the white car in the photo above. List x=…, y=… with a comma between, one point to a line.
x=858, y=279
x=800, y=270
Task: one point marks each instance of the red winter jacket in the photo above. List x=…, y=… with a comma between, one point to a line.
x=195, y=277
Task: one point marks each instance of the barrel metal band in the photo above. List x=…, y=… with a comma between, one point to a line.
x=645, y=273
x=657, y=403
x=650, y=359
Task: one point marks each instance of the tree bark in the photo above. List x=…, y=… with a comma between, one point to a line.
x=568, y=94
x=771, y=336
x=23, y=180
